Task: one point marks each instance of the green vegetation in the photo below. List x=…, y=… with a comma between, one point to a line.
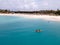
x=5, y=11
x=57, y=12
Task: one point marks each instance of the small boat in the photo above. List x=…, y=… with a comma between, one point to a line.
x=38, y=30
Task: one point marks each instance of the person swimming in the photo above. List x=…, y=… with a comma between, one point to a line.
x=38, y=30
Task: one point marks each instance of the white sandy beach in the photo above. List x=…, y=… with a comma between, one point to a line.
x=35, y=16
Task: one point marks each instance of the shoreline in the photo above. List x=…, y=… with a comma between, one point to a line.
x=34, y=16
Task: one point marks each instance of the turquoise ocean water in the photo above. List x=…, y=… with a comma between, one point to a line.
x=21, y=31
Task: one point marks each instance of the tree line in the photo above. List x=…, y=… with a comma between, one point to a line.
x=56, y=12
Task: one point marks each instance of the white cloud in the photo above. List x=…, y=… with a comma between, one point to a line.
x=26, y=6
x=29, y=4
x=45, y=3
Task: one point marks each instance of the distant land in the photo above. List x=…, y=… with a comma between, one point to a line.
x=54, y=12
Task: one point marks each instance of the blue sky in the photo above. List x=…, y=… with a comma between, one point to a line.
x=30, y=4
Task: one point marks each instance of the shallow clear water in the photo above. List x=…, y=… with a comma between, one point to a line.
x=21, y=31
